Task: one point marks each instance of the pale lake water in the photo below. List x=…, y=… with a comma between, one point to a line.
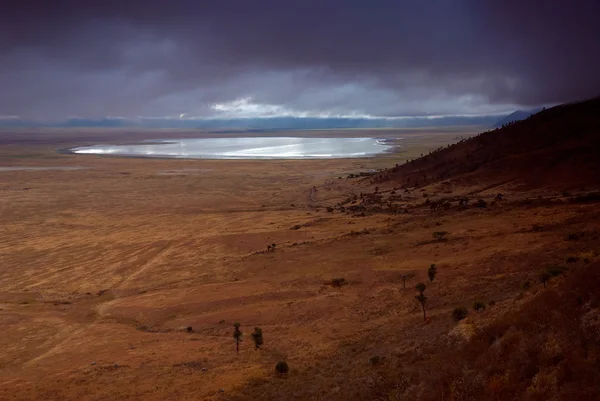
x=246, y=148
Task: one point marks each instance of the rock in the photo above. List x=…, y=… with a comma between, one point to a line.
x=116, y=365
x=221, y=390
x=131, y=347
x=93, y=363
x=204, y=369
x=189, y=329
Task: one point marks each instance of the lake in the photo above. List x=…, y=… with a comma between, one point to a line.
x=246, y=148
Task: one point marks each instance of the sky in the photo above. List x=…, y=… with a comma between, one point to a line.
x=185, y=59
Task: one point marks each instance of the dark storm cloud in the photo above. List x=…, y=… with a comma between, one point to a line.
x=158, y=58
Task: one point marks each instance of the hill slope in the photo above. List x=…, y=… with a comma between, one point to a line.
x=558, y=147
x=517, y=115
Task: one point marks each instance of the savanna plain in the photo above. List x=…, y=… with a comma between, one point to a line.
x=122, y=278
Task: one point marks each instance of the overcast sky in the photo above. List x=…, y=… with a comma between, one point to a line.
x=249, y=58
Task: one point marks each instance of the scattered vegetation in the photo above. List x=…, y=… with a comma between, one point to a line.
x=271, y=247
x=375, y=360
x=544, y=277
x=282, y=367
x=431, y=272
x=338, y=282
x=478, y=306
x=459, y=313
x=257, y=337
x=237, y=335
x=421, y=298
x=440, y=235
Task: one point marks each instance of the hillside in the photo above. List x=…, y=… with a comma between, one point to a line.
x=555, y=148
x=517, y=115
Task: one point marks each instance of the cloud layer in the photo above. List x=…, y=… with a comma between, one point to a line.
x=238, y=58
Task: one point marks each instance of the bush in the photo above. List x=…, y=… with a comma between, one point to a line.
x=440, y=235
x=338, y=281
x=556, y=270
x=375, y=360
x=459, y=313
x=527, y=285
x=478, y=306
x=572, y=259
x=282, y=367
x=492, y=303
x=257, y=337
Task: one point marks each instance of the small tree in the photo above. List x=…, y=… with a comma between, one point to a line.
x=237, y=334
x=257, y=337
x=422, y=299
x=282, y=367
x=478, y=306
x=404, y=277
x=431, y=272
x=545, y=276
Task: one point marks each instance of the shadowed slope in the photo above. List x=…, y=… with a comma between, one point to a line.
x=558, y=147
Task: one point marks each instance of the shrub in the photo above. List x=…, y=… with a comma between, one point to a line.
x=459, y=313
x=481, y=203
x=440, y=235
x=420, y=287
x=282, y=367
x=556, y=270
x=375, y=360
x=338, y=281
x=492, y=303
x=257, y=337
x=478, y=306
x=527, y=285
x=572, y=259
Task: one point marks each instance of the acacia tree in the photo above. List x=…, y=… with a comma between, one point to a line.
x=237, y=334
x=257, y=337
x=420, y=287
x=421, y=298
x=431, y=272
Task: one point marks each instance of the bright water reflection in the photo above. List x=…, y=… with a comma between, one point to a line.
x=246, y=148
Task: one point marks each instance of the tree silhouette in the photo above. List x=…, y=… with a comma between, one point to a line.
x=421, y=298
x=237, y=334
x=545, y=276
x=257, y=337
x=431, y=272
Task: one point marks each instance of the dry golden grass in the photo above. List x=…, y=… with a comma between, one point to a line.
x=111, y=263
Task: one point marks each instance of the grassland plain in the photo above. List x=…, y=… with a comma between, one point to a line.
x=103, y=269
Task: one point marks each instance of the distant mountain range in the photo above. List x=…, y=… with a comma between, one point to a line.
x=274, y=123
x=263, y=123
